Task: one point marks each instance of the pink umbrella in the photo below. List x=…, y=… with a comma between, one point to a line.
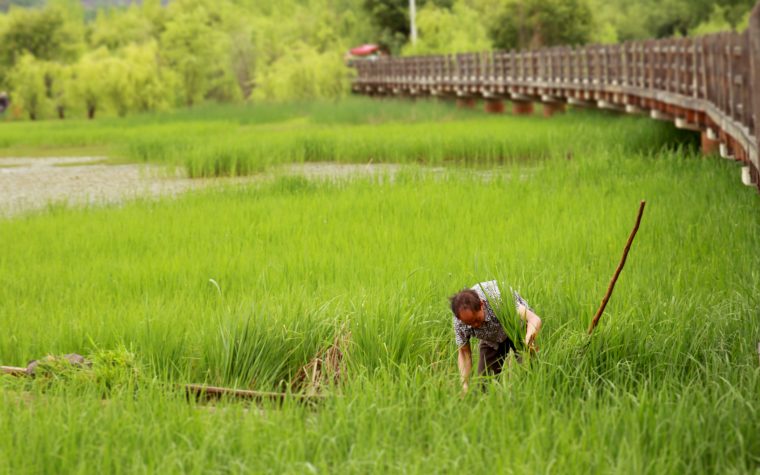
x=364, y=50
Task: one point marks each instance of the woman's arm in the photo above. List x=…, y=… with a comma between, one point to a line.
x=533, y=324
x=464, y=360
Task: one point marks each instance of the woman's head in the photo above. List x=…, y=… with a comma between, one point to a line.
x=468, y=308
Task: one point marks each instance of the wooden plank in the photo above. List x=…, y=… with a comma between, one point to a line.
x=753, y=40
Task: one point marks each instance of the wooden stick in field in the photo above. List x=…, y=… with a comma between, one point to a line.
x=203, y=392
x=13, y=370
x=606, y=298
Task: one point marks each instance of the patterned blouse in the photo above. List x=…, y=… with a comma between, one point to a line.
x=491, y=332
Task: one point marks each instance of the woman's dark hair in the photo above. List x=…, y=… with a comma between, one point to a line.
x=466, y=299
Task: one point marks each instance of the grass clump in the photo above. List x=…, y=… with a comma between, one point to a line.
x=104, y=372
x=116, y=370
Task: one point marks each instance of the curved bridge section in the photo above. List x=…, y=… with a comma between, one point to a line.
x=709, y=84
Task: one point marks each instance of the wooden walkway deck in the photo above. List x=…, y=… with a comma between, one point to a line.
x=709, y=84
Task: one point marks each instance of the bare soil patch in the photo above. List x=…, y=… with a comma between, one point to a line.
x=28, y=184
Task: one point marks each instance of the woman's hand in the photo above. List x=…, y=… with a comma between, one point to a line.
x=533, y=324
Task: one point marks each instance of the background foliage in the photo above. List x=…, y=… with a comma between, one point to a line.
x=64, y=58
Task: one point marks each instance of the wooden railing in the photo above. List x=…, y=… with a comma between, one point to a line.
x=709, y=84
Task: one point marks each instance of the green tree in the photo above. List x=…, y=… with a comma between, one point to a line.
x=444, y=30
x=43, y=33
x=28, y=81
x=243, y=60
x=726, y=16
x=150, y=84
x=293, y=34
x=156, y=14
x=188, y=51
x=643, y=19
x=743, y=23
x=716, y=22
x=47, y=34
x=59, y=78
x=116, y=84
x=199, y=54
x=524, y=24
x=391, y=18
x=89, y=76
x=242, y=54
x=304, y=74
x=114, y=28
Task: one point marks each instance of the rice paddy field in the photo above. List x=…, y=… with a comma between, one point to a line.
x=241, y=286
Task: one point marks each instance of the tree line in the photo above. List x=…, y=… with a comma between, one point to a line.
x=54, y=62
x=471, y=25
x=59, y=59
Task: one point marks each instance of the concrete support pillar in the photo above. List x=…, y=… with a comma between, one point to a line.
x=754, y=180
x=551, y=108
x=466, y=102
x=747, y=176
x=495, y=106
x=522, y=108
x=709, y=146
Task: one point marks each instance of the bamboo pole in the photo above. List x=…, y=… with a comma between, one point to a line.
x=606, y=298
x=215, y=392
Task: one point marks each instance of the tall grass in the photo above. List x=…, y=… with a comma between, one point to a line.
x=210, y=120
x=669, y=383
x=235, y=141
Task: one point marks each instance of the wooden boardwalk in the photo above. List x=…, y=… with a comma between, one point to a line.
x=709, y=84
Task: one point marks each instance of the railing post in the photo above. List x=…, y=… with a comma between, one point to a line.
x=754, y=58
x=709, y=139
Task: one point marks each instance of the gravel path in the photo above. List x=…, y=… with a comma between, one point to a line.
x=28, y=184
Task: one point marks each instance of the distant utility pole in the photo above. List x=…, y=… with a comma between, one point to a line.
x=412, y=21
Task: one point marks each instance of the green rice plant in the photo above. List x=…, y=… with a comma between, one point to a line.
x=513, y=325
x=244, y=285
x=116, y=370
